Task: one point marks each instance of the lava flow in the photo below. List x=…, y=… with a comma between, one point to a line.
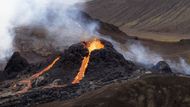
x=94, y=44
x=91, y=45
x=28, y=81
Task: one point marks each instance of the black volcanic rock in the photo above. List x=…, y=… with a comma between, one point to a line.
x=104, y=65
x=162, y=67
x=2, y=76
x=15, y=65
x=67, y=67
x=74, y=55
x=39, y=96
x=107, y=64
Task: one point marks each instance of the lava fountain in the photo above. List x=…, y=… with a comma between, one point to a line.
x=91, y=45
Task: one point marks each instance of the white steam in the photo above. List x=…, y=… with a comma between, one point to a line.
x=62, y=18
x=59, y=17
x=180, y=67
x=7, y=12
x=138, y=53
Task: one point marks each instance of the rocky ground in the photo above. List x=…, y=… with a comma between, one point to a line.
x=146, y=91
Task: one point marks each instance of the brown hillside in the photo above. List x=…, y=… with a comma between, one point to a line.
x=168, y=16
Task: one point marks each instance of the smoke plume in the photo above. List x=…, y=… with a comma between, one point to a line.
x=138, y=53
x=7, y=11
x=59, y=17
x=180, y=67
x=142, y=55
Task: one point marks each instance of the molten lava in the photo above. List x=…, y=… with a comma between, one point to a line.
x=94, y=44
x=28, y=81
x=45, y=69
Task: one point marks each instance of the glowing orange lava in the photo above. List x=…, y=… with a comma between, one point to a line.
x=28, y=81
x=91, y=45
x=45, y=69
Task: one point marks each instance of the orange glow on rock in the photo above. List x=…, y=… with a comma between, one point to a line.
x=94, y=44
x=28, y=82
x=45, y=69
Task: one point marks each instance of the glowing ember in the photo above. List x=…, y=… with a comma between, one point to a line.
x=28, y=82
x=91, y=45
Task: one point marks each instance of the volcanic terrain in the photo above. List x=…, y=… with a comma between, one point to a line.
x=98, y=72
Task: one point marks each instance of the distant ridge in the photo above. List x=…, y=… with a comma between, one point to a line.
x=170, y=16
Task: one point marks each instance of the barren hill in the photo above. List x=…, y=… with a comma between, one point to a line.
x=168, y=16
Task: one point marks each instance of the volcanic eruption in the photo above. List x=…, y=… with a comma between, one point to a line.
x=91, y=45
x=83, y=67
x=56, y=58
